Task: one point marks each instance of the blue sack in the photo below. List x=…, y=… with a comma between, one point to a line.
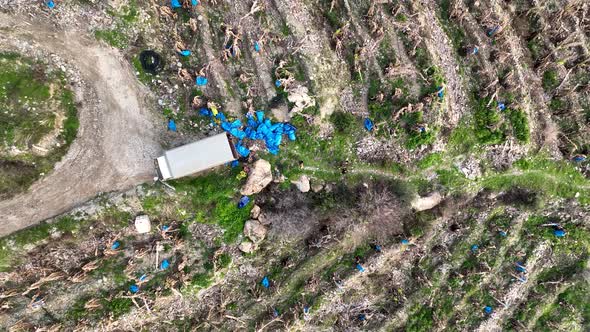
x=559, y=232
x=50, y=4
x=201, y=80
x=205, y=112
x=360, y=268
x=220, y=116
x=175, y=4
x=164, y=265
x=243, y=201
x=256, y=46
x=488, y=310
x=265, y=282
x=115, y=245
x=134, y=288
x=185, y=52
x=226, y=126
x=171, y=125
x=278, y=83
x=474, y=248
x=194, y=2
x=368, y=124
x=260, y=116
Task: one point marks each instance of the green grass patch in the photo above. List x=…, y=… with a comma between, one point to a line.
x=430, y=160
x=114, y=37
x=550, y=79
x=520, y=125
x=213, y=199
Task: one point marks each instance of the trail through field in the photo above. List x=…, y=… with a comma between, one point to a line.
x=116, y=140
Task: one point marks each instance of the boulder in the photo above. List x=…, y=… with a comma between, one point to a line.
x=302, y=184
x=426, y=202
x=260, y=176
x=255, y=212
x=254, y=230
x=247, y=247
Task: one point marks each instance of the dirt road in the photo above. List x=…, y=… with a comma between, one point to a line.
x=116, y=140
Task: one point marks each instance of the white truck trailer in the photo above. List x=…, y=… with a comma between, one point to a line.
x=196, y=157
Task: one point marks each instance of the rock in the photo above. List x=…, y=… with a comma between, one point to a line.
x=260, y=176
x=254, y=230
x=427, y=202
x=143, y=224
x=255, y=212
x=302, y=184
x=263, y=219
x=317, y=187
x=247, y=247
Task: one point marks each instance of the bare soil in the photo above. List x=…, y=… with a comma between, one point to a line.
x=116, y=139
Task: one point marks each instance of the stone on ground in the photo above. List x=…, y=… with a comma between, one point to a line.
x=426, y=202
x=302, y=184
x=254, y=230
x=260, y=176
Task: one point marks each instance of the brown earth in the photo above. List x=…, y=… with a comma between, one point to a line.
x=116, y=139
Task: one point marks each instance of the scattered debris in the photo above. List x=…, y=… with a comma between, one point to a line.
x=299, y=96
x=143, y=224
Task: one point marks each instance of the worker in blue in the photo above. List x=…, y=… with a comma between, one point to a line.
x=50, y=4
x=175, y=4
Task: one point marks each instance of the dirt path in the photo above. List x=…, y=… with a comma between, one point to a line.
x=116, y=139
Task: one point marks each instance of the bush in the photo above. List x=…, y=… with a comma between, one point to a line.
x=520, y=125
x=343, y=122
x=550, y=79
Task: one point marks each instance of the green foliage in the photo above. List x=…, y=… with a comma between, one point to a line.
x=422, y=320
x=520, y=125
x=462, y=139
x=544, y=176
x=343, y=122
x=430, y=160
x=211, y=198
x=71, y=123
x=201, y=280
x=535, y=47
x=223, y=261
x=143, y=76
x=570, y=311
x=487, y=124
x=117, y=306
x=550, y=79
x=12, y=245
x=114, y=37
